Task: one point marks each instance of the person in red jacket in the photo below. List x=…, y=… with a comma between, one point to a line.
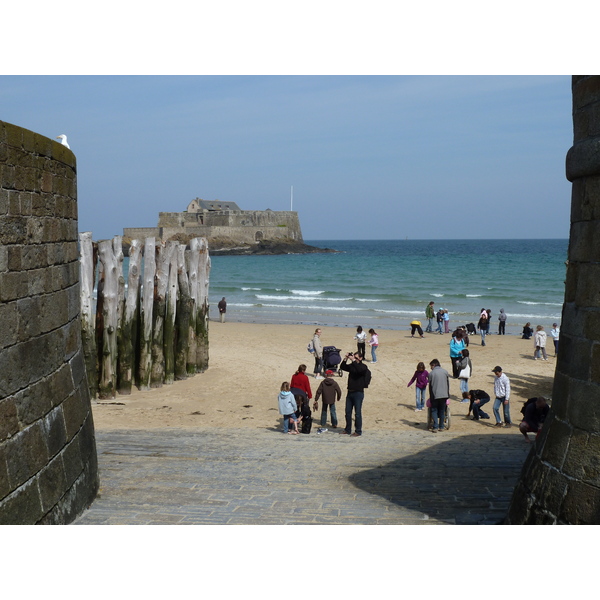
x=300, y=382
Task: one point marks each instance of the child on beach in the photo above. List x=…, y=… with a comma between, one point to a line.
x=288, y=408
x=304, y=415
x=540, y=343
x=439, y=317
x=361, y=338
x=421, y=376
x=374, y=343
x=446, y=321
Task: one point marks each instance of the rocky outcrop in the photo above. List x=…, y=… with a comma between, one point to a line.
x=230, y=247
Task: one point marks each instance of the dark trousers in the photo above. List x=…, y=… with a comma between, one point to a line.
x=318, y=365
x=438, y=412
x=354, y=400
x=416, y=328
x=361, y=348
x=501, y=327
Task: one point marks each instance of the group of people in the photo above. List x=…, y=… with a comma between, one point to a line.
x=442, y=318
x=436, y=384
x=316, y=346
x=295, y=395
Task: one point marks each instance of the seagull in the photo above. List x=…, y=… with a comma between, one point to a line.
x=63, y=140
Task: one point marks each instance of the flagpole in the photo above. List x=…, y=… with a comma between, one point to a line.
x=292, y=199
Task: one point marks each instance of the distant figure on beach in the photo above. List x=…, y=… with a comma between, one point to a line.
x=477, y=399
x=535, y=412
x=429, y=315
x=502, y=393
x=287, y=408
x=359, y=377
x=330, y=391
x=457, y=345
x=374, y=343
x=502, y=322
x=465, y=370
x=300, y=381
x=361, y=340
x=421, y=376
x=527, y=331
x=222, y=308
x=555, y=334
x=318, y=348
x=446, y=321
x=539, y=342
x=415, y=326
x=440, y=320
x=439, y=392
x=483, y=325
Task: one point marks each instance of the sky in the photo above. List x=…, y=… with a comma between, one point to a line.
x=367, y=157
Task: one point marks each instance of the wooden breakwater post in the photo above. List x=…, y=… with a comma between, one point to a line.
x=152, y=331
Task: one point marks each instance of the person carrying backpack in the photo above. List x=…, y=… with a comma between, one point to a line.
x=359, y=378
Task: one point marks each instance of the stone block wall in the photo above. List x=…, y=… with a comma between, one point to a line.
x=244, y=226
x=48, y=462
x=560, y=481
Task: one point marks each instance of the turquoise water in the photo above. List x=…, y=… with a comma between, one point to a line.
x=385, y=284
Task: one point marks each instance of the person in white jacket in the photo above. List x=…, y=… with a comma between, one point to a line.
x=540, y=343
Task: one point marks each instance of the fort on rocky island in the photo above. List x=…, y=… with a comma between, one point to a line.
x=228, y=229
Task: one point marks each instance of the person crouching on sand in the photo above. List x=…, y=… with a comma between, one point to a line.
x=288, y=408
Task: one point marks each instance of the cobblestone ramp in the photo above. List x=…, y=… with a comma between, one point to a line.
x=263, y=477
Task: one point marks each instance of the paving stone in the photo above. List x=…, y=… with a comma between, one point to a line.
x=232, y=476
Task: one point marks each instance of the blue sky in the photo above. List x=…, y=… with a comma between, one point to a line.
x=369, y=157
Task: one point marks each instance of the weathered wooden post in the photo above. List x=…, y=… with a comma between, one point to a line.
x=88, y=319
x=108, y=356
x=129, y=327
x=170, y=310
x=202, y=307
x=192, y=260
x=147, y=317
x=183, y=315
x=159, y=310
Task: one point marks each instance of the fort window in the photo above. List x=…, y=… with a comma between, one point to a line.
x=259, y=235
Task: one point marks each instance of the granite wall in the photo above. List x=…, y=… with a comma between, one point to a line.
x=48, y=462
x=560, y=481
x=244, y=226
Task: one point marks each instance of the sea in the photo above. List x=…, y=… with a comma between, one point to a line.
x=385, y=284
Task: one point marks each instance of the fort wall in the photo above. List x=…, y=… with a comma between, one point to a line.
x=242, y=226
x=48, y=462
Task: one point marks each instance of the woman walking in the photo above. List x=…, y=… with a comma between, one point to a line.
x=465, y=371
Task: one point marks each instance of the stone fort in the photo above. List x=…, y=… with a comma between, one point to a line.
x=214, y=219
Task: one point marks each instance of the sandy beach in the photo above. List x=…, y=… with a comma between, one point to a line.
x=248, y=362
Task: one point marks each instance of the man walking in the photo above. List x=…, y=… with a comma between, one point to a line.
x=222, y=308
x=502, y=393
x=359, y=378
x=439, y=392
x=430, y=315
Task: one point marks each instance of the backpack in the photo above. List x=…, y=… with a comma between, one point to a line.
x=367, y=378
x=311, y=347
x=306, y=425
x=527, y=403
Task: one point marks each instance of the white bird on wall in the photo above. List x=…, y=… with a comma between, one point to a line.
x=63, y=140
